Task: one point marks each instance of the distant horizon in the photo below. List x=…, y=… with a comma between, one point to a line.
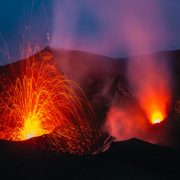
x=93, y=53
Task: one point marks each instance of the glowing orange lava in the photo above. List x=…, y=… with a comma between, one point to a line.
x=39, y=100
x=32, y=128
x=156, y=105
x=157, y=117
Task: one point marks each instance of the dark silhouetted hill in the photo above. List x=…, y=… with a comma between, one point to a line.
x=102, y=79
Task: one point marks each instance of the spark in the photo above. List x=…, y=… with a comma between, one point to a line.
x=41, y=101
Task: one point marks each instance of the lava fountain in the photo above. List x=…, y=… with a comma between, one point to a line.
x=39, y=101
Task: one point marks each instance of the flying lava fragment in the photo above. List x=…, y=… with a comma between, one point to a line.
x=38, y=100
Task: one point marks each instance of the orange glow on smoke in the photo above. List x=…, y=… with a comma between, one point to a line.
x=41, y=101
x=156, y=105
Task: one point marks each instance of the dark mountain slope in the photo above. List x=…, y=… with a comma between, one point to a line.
x=101, y=78
x=132, y=159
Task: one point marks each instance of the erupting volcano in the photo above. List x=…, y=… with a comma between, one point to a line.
x=40, y=100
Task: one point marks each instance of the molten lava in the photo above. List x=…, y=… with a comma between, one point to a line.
x=41, y=101
x=156, y=117
x=156, y=105
x=32, y=128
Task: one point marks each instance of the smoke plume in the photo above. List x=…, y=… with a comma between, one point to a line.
x=148, y=76
x=121, y=28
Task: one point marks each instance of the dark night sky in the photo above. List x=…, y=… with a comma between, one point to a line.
x=21, y=20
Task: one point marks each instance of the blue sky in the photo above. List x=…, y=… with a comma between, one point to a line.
x=21, y=20
x=71, y=22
